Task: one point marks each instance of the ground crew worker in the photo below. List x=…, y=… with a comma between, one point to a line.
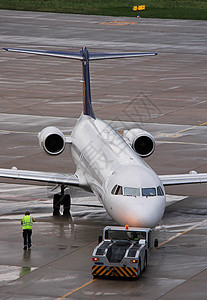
x=26, y=223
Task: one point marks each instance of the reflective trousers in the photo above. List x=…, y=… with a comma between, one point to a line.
x=27, y=233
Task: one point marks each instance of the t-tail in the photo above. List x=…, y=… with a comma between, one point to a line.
x=84, y=56
x=87, y=104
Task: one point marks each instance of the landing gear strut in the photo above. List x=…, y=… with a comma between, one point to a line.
x=61, y=199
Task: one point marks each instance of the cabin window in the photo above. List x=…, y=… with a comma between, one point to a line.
x=148, y=192
x=160, y=191
x=131, y=191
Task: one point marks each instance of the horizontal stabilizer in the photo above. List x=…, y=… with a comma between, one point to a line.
x=98, y=56
x=79, y=55
x=61, y=54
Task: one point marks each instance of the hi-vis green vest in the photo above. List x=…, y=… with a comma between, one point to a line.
x=27, y=222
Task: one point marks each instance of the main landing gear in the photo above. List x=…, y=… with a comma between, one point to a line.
x=61, y=199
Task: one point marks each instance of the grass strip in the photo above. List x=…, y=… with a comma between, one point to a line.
x=164, y=9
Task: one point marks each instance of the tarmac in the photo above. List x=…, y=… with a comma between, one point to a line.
x=165, y=95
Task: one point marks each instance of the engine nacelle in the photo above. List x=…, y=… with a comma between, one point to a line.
x=52, y=140
x=140, y=140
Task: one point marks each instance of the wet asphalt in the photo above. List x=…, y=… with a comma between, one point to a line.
x=165, y=94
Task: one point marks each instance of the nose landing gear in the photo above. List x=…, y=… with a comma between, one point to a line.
x=61, y=199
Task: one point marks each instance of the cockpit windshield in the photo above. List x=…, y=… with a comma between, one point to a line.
x=148, y=192
x=135, y=192
x=160, y=191
x=117, y=190
x=128, y=191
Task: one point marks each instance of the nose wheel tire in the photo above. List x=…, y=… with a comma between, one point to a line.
x=56, y=204
x=66, y=205
x=64, y=200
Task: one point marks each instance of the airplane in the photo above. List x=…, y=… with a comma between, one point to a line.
x=108, y=163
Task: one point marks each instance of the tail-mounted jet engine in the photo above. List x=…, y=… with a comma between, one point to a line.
x=140, y=140
x=52, y=140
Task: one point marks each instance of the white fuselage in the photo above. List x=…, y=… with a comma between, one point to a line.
x=116, y=174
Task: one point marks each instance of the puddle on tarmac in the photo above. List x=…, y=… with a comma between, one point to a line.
x=10, y=273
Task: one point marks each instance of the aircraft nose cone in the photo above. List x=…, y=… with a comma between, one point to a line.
x=146, y=214
x=142, y=218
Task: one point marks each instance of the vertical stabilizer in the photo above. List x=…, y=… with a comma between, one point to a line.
x=87, y=104
x=83, y=55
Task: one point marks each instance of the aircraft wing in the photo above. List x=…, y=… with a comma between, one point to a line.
x=192, y=177
x=49, y=177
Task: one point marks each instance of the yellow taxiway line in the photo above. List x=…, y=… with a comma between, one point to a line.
x=77, y=289
x=179, y=133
